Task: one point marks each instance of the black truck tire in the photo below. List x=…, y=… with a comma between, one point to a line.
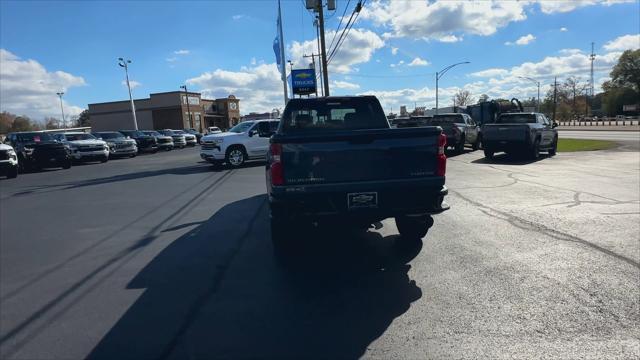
x=460, y=145
x=554, y=149
x=235, y=156
x=534, y=151
x=66, y=164
x=488, y=154
x=478, y=144
x=413, y=228
x=104, y=159
x=12, y=173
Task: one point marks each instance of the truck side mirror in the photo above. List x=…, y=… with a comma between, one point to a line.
x=554, y=125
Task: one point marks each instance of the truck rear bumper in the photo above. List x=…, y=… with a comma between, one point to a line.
x=333, y=203
x=504, y=145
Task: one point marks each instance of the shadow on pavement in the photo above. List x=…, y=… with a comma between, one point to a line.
x=507, y=159
x=217, y=292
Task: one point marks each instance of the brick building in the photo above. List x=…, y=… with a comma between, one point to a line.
x=168, y=110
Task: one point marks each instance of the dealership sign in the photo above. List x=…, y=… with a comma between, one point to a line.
x=303, y=81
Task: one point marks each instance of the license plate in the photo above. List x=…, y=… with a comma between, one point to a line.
x=362, y=200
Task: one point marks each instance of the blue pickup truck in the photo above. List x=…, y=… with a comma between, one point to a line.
x=336, y=160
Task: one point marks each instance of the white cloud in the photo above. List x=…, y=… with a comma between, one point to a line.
x=394, y=50
x=182, y=52
x=569, y=51
x=494, y=72
x=344, y=85
x=28, y=88
x=563, y=29
x=171, y=59
x=523, y=40
x=253, y=61
x=447, y=20
x=238, y=17
x=419, y=62
x=626, y=42
x=358, y=48
x=443, y=20
x=259, y=88
x=562, y=6
x=134, y=84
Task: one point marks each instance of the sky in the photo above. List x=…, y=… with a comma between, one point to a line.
x=226, y=47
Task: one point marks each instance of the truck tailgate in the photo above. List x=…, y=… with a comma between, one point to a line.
x=362, y=155
x=505, y=132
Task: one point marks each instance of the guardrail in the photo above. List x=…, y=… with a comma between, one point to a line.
x=601, y=122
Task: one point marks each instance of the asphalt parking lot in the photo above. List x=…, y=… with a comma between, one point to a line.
x=162, y=256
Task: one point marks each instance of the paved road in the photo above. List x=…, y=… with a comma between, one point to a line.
x=629, y=139
x=163, y=257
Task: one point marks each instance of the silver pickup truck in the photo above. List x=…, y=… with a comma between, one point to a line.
x=520, y=133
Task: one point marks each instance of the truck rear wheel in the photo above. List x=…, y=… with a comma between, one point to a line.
x=535, y=150
x=12, y=173
x=488, y=154
x=66, y=164
x=460, y=146
x=413, y=228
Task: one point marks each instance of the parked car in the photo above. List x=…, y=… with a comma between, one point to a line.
x=144, y=142
x=190, y=139
x=213, y=130
x=249, y=140
x=118, y=144
x=84, y=147
x=8, y=161
x=336, y=160
x=520, y=133
x=37, y=150
x=195, y=132
x=164, y=142
x=179, y=140
x=460, y=130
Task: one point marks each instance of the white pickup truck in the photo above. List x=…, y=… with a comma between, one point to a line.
x=249, y=140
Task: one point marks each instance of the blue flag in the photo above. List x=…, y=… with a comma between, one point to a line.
x=276, y=49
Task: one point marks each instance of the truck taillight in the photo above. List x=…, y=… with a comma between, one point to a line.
x=441, y=158
x=277, y=172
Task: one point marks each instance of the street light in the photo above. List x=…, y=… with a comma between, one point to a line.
x=61, y=108
x=124, y=63
x=439, y=75
x=538, y=84
x=186, y=98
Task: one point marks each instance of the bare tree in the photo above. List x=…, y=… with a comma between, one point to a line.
x=463, y=98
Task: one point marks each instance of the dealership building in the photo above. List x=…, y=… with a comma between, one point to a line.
x=167, y=110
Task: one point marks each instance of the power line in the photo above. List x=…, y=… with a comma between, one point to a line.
x=347, y=29
x=340, y=23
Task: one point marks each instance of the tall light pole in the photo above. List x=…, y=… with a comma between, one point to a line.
x=439, y=75
x=124, y=63
x=538, y=84
x=64, y=125
x=186, y=97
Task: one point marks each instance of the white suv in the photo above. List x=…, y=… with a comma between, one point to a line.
x=248, y=140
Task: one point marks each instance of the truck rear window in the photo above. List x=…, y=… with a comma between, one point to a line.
x=302, y=115
x=448, y=119
x=516, y=119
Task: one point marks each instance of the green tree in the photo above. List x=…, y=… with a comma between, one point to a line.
x=22, y=123
x=626, y=73
x=83, y=118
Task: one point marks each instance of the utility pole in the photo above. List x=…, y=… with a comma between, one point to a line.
x=323, y=50
x=316, y=23
x=283, y=69
x=555, y=96
x=64, y=123
x=186, y=98
x=313, y=64
x=538, y=84
x=125, y=64
x=587, y=97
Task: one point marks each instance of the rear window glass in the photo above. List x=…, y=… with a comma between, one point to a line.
x=516, y=119
x=333, y=114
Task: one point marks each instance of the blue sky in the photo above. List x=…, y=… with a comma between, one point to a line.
x=225, y=47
